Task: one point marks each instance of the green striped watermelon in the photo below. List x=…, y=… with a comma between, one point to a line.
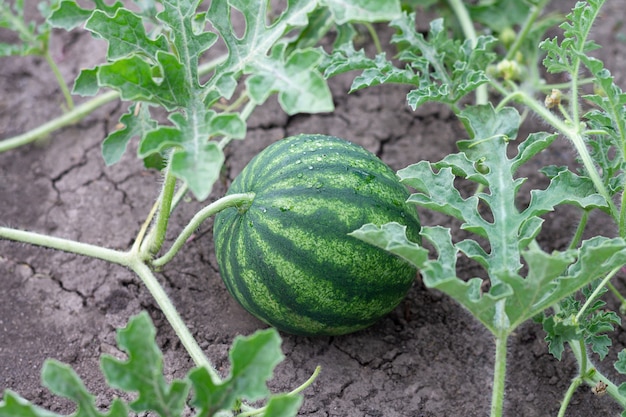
x=287, y=258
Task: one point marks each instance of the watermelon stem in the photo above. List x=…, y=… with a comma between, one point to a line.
x=255, y=411
x=239, y=201
x=157, y=234
x=129, y=259
x=173, y=317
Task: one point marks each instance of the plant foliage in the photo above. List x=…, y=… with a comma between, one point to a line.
x=252, y=361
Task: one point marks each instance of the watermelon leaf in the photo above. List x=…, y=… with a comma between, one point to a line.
x=510, y=232
x=345, y=11
x=252, y=358
x=283, y=406
x=33, y=37
x=63, y=381
x=154, y=57
x=69, y=15
x=294, y=77
x=565, y=324
x=300, y=87
x=137, y=122
x=442, y=69
x=142, y=372
x=152, y=68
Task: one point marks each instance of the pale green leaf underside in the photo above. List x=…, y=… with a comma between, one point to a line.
x=550, y=278
x=344, y=11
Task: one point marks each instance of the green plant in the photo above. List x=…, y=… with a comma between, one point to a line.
x=559, y=288
x=287, y=257
x=252, y=361
x=34, y=39
x=446, y=70
x=208, y=104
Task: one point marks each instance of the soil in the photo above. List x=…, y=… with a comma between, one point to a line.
x=427, y=358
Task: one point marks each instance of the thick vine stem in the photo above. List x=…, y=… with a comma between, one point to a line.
x=132, y=261
x=170, y=312
x=233, y=200
x=573, y=386
x=156, y=236
x=66, y=245
x=499, y=377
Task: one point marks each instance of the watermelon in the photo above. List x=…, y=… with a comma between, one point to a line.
x=287, y=257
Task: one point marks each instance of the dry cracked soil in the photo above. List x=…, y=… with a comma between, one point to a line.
x=428, y=358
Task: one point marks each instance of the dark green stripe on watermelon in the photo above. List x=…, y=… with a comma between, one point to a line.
x=288, y=258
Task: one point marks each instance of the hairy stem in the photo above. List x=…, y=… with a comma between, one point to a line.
x=374, y=36
x=170, y=312
x=526, y=28
x=579, y=230
x=157, y=235
x=592, y=298
x=132, y=261
x=467, y=26
x=66, y=245
x=619, y=296
x=68, y=118
x=233, y=200
x=69, y=102
x=573, y=386
x=499, y=376
x=590, y=374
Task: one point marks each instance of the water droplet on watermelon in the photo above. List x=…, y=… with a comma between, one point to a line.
x=310, y=167
x=298, y=161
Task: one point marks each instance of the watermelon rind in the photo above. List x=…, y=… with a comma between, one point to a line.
x=287, y=257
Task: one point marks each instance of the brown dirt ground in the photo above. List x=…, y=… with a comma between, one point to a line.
x=427, y=358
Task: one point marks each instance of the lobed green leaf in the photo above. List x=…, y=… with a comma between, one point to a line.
x=295, y=78
x=125, y=33
x=283, y=406
x=620, y=364
x=63, y=381
x=69, y=15
x=509, y=231
x=12, y=405
x=133, y=124
x=565, y=56
x=344, y=11
x=142, y=372
x=253, y=360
